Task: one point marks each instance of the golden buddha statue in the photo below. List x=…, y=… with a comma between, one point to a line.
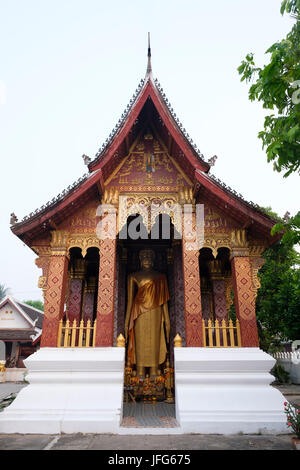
x=146, y=316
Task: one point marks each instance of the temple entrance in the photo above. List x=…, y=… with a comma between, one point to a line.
x=77, y=325
x=149, y=391
x=216, y=284
x=158, y=414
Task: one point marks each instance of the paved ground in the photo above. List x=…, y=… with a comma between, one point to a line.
x=7, y=388
x=114, y=443
x=158, y=414
x=291, y=392
x=164, y=443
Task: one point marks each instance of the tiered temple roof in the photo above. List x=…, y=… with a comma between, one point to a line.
x=149, y=104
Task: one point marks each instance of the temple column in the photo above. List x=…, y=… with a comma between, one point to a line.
x=122, y=291
x=179, y=291
x=228, y=290
x=106, y=293
x=191, y=279
x=76, y=291
x=218, y=287
x=56, y=289
x=107, y=280
x=117, y=297
x=243, y=289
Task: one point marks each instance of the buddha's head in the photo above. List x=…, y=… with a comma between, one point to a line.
x=147, y=259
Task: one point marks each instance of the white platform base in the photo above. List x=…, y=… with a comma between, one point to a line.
x=70, y=390
x=218, y=390
x=226, y=391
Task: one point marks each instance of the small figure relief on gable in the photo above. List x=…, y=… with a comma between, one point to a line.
x=10, y=318
x=148, y=168
x=82, y=221
x=214, y=220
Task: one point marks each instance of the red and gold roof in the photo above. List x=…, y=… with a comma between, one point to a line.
x=177, y=163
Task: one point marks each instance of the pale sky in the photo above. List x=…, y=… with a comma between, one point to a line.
x=69, y=68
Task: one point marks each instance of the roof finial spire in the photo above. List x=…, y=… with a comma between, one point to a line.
x=149, y=67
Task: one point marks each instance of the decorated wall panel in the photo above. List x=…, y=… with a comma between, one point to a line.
x=54, y=299
x=245, y=300
x=148, y=167
x=83, y=221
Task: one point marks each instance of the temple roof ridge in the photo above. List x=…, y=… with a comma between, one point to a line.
x=120, y=121
x=111, y=153
x=239, y=196
x=178, y=122
x=56, y=199
x=141, y=86
x=126, y=112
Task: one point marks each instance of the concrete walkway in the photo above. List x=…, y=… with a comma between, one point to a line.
x=134, y=443
x=7, y=388
x=145, y=442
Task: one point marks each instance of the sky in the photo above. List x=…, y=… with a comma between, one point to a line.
x=68, y=69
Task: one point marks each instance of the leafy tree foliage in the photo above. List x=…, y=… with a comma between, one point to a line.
x=278, y=299
x=35, y=303
x=268, y=210
x=277, y=86
x=291, y=229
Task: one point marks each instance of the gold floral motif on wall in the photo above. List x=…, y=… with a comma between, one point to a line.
x=216, y=241
x=83, y=220
x=149, y=206
x=84, y=242
x=216, y=221
x=147, y=166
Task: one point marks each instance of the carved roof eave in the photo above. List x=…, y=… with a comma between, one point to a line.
x=60, y=203
x=248, y=210
x=149, y=88
x=232, y=201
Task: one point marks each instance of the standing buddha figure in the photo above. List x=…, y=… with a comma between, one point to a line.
x=146, y=315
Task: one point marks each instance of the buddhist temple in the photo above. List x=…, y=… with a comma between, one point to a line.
x=148, y=251
x=20, y=329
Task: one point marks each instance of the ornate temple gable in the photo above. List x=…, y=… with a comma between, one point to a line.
x=83, y=221
x=41, y=243
x=148, y=102
x=81, y=228
x=52, y=214
x=247, y=215
x=148, y=168
x=122, y=165
x=217, y=221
